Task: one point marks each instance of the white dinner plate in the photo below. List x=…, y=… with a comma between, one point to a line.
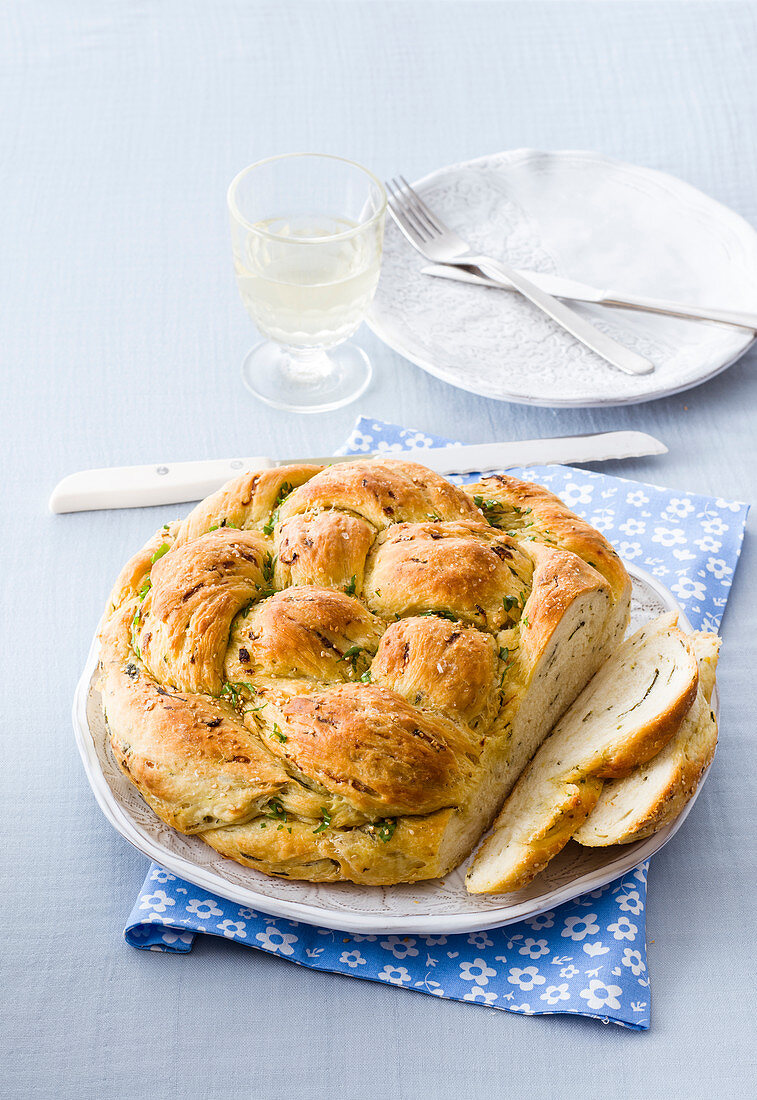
x=583, y=216
x=438, y=906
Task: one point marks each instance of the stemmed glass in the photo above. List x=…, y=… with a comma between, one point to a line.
x=307, y=232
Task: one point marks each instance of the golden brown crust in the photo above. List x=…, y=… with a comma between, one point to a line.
x=382, y=755
x=326, y=549
x=408, y=851
x=462, y=569
x=196, y=590
x=304, y=631
x=383, y=493
x=131, y=579
x=248, y=501
x=559, y=578
x=345, y=653
x=463, y=663
x=539, y=515
x=190, y=756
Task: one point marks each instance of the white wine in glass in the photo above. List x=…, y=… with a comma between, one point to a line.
x=307, y=275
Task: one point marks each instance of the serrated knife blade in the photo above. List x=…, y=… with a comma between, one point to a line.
x=179, y=482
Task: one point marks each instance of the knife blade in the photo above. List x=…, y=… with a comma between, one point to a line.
x=574, y=291
x=178, y=482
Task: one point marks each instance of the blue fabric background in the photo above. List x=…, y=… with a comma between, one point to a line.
x=589, y=956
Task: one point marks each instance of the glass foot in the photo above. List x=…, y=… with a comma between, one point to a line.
x=306, y=381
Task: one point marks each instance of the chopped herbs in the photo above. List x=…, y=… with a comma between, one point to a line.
x=366, y=677
x=254, y=710
x=234, y=692
x=492, y=509
x=352, y=655
x=509, y=602
x=160, y=552
x=282, y=737
x=442, y=615
x=268, y=567
x=504, y=655
x=145, y=589
x=524, y=621
x=134, y=628
x=495, y=513
x=350, y=588
x=325, y=821
x=283, y=493
x=385, y=829
x=277, y=811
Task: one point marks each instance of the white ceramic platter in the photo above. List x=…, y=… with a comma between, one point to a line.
x=586, y=217
x=440, y=906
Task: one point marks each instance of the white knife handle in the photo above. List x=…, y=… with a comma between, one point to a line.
x=141, y=486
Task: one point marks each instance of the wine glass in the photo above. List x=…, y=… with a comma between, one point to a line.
x=307, y=232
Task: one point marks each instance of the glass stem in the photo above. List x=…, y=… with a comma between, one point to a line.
x=308, y=364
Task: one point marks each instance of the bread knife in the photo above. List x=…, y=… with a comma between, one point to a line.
x=178, y=482
x=573, y=291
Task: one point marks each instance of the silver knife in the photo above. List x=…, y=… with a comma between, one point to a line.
x=574, y=291
x=177, y=482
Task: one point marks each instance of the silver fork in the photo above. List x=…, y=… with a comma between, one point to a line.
x=437, y=242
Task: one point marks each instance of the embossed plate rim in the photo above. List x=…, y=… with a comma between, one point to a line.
x=385, y=330
x=321, y=915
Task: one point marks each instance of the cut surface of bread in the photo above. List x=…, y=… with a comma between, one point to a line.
x=655, y=793
x=629, y=710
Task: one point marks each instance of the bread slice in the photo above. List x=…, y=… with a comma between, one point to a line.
x=655, y=793
x=624, y=716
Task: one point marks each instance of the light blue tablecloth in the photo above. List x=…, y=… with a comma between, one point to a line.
x=122, y=335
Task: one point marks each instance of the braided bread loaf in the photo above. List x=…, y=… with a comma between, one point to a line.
x=339, y=673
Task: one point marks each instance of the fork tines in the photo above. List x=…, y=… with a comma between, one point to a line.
x=411, y=211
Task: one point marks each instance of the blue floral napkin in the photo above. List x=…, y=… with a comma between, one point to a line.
x=588, y=957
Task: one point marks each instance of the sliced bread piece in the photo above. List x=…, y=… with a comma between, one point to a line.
x=706, y=649
x=627, y=712
x=655, y=793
